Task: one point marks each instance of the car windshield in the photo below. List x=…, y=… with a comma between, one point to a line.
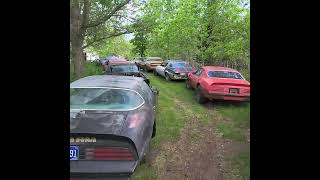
x=181, y=65
x=124, y=68
x=225, y=74
x=104, y=99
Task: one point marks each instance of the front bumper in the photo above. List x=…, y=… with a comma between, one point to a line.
x=178, y=77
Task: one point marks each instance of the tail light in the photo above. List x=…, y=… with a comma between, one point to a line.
x=112, y=154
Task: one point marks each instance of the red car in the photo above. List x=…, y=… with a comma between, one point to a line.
x=114, y=61
x=218, y=83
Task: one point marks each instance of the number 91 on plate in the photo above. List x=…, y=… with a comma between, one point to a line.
x=74, y=152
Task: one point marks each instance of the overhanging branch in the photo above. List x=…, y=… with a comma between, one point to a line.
x=107, y=16
x=103, y=38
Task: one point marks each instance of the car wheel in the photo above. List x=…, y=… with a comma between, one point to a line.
x=188, y=84
x=199, y=96
x=167, y=77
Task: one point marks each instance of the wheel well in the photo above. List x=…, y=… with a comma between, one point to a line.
x=198, y=84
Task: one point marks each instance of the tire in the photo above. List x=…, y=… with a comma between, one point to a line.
x=188, y=86
x=167, y=77
x=154, y=130
x=199, y=96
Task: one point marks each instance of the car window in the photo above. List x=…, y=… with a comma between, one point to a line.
x=104, y=99
x=124, y=68
x=224, y=74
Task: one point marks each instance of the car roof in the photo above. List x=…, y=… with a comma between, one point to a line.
x=118, y=61
x=111, y=81
x=218, y=68
x=122, y=63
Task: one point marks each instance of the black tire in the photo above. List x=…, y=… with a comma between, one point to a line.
x=167, y=77
x=188, y=86
x=154, y=130
x=199, y=96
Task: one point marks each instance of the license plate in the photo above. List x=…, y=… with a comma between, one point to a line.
x=234, y=91
x=74, y=152
x=183, y=74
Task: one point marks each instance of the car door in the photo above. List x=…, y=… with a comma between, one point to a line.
x=194, y=77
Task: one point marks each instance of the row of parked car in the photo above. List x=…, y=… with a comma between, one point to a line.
x=113, y=116
x=210, y=82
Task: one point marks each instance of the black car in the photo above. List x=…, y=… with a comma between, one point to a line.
x=112, y=120
x=126, y=69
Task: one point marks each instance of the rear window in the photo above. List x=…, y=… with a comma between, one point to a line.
x=225, y=74
x=124, y=68
x=104, y=99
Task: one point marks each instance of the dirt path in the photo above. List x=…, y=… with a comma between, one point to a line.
x=198, y=155
x=194, y=156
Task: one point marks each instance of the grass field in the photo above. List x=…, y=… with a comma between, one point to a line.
x=176, y=106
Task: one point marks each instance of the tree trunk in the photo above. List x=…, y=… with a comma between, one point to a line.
x=77, y=56
x=77, y=39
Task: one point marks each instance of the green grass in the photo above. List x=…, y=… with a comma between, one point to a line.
x=89, y=70
x=236, y=121
x=144, y=172
x=241, y=166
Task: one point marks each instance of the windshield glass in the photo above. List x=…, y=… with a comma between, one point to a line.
x=225, y=74
x=124, y=68
x=181, y=65
x=104, y=99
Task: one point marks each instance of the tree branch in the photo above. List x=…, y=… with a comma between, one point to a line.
x=107, y=16
x=103, y=38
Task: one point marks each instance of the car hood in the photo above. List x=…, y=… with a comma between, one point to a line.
x=96, y=122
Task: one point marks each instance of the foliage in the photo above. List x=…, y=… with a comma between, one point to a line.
x=211, y=32
x=117, y=45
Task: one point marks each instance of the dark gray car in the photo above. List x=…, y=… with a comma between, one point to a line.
x=126, y=69
x=112, y=120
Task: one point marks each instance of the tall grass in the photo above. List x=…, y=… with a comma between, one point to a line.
x=89, y=70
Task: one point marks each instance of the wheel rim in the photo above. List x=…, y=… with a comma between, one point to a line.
x=167, y=77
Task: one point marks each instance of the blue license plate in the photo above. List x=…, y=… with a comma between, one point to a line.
x=74, y=152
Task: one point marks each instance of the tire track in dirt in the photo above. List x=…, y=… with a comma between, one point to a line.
x=195, y=156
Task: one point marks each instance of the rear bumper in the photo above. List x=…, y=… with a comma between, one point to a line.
x=99, y=176
x=228, y=97
x=102, y=169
